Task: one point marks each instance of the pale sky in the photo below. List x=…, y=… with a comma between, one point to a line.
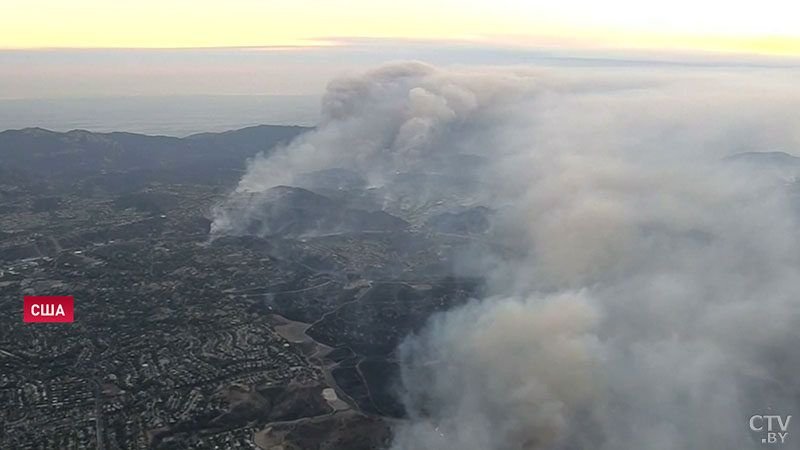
x=764, y=26
x=112, y=48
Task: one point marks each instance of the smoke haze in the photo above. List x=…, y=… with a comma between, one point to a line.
x=642, y=282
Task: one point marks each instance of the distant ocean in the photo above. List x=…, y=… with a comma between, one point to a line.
x=170, y=115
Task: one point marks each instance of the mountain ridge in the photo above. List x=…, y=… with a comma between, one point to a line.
x=58, y=158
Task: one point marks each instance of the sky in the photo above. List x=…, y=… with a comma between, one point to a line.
x=766, y=26
x=113, y=50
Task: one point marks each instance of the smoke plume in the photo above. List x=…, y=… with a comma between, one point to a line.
x=643, y=283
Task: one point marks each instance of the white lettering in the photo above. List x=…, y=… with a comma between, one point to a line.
x=769, y=422
x=769, y=436
x=60, y=311
x=35, y=310
x=752, y=425
x=784, y=425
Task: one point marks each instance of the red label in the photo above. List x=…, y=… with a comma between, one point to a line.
x=48, y=309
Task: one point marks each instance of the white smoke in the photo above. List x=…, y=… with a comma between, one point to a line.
x=644, y=291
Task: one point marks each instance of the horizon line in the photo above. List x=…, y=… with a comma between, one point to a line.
x=712, y=45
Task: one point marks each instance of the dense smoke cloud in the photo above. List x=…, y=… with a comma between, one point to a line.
x=642, y=284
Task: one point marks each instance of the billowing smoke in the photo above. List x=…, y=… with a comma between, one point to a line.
x=643, y=281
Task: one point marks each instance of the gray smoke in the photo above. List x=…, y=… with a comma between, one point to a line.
x=643, y=286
